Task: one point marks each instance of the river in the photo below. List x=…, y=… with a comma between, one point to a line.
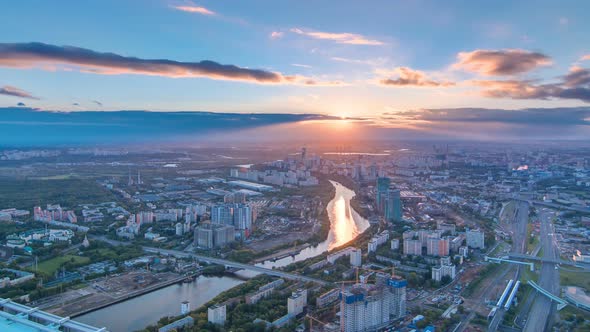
x=345, y=225
x=137, y=313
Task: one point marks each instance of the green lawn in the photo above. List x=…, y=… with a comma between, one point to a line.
x=532, y=240
x=570, y=278
x=50, y=266
x=526, y=274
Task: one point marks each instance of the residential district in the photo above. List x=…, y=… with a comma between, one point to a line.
x=459, y=237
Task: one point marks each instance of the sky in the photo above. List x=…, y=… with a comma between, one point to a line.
x=377, y=59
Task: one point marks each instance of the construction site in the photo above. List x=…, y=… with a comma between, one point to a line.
x=107, y=291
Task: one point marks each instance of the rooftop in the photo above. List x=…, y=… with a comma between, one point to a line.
x=17, y=317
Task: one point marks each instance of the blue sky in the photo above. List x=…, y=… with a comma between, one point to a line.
x=364, y=57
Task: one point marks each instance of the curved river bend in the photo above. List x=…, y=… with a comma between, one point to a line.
x=345, y=225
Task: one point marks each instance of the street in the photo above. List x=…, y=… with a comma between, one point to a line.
x=519, y=235
x=543, y=310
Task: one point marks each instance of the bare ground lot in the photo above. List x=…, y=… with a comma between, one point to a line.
x=104, y=291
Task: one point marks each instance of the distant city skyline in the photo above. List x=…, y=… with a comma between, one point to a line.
x=422, y=66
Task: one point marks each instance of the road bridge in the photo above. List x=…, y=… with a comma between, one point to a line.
x=561, y=303
x=228, y=263
x=559, y=261
x=503, y=260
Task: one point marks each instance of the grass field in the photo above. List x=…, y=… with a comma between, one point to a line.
x=50, y=266
x=570, y=278
x=526, y=274
x=532, y=240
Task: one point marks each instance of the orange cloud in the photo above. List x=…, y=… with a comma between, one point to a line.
x=574, y=86
x=411, y=77
x=501, y=62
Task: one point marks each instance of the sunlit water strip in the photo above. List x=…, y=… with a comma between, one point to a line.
x=345, y=225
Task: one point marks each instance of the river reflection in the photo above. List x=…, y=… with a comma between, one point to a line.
x=139, y=312
x=134, y=314
x=345, y=225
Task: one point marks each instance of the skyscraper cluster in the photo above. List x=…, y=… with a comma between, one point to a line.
x=388, y=200
x=210, y=236
x=238, y=215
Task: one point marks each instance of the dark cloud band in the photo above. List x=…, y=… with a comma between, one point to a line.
x=26, y=55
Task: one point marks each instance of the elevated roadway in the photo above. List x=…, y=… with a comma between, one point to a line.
x=228, y=263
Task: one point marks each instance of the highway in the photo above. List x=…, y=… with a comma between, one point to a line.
x=543, y=310
x=557, y=260
x=519, y=235
x=555, y=206
x=219, y=261
x=202, y=258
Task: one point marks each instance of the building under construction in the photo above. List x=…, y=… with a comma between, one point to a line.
x=366, y=307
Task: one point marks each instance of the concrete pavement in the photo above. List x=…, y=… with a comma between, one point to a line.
x=519, y=235
x=543, y=310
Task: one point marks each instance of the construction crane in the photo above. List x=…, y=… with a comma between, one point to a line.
x=356, y=281
x=311, y=319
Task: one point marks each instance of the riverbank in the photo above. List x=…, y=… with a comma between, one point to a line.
x=131, y=295
x=108, y=291
x=147, y=309
x=240, y=315
x=346, y=226
x=283, y=253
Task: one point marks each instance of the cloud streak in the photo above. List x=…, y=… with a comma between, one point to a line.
x=340, y=38
x=276, y=35
x=193, y=8
x=529, y=116
x=501, y=62
x=52, y=57
x=8, y=90
x=411, y=77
